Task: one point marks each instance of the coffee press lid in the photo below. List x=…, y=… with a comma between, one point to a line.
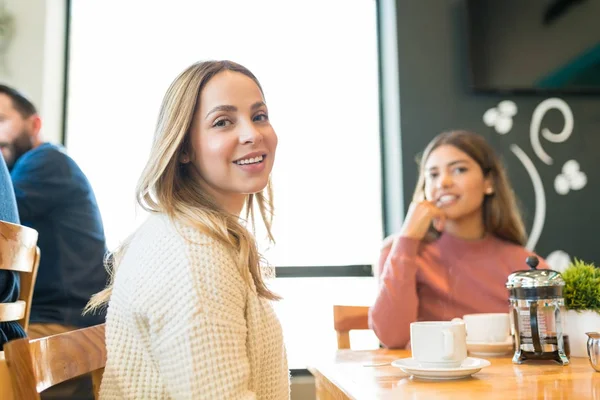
x=533, y=277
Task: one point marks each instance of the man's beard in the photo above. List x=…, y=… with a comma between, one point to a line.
x=21, y=145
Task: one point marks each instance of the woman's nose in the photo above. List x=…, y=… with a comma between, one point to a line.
x=444, y=181
x=250, y=134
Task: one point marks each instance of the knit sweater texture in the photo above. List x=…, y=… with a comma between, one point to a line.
x=183, y=323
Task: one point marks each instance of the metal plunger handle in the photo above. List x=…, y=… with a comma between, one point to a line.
x=532, y=261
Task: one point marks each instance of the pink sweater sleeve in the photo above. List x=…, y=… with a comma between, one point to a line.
x=397, y=303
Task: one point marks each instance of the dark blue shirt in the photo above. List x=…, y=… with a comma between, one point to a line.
x=9, y=280
x=55, y=198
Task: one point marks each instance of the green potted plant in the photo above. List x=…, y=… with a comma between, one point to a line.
x=582, y=301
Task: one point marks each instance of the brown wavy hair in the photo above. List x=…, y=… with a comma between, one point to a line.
x=166, y=186
x=501, y=216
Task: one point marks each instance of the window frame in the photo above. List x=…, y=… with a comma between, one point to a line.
x=391, y=161
x=389, y=190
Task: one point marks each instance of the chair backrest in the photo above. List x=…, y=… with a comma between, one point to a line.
x=346, y=319
x=35, y=365
x=18, y=252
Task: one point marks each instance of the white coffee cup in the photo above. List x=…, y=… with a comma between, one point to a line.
x=438, y=344
x=487, y=327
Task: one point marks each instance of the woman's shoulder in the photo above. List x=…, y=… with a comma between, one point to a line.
x=161, y=230
x=400, y=246
x=166, y=263
x=163, y=248
x=161, y=239
x=407, y=247
x=517, y=253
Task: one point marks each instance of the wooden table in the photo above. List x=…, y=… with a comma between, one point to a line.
x=6, y=392
x=345, y=376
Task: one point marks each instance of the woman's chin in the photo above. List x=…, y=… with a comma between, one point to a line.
x=453, y=214
x=456, y=214
x=254, y=187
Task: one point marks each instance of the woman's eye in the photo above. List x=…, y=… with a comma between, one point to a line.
x=261, y=117
x=220, y=123
x=460, y=170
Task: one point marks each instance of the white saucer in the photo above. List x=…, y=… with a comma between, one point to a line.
x=468, y=367
x=484, y=349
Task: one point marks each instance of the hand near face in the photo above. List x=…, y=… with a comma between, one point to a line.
x=419, y=218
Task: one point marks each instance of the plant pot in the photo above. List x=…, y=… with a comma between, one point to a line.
x=576, y=325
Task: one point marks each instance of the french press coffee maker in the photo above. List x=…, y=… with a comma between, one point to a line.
x=537, y=308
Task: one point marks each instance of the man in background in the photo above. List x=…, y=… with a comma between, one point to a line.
x=55, y=198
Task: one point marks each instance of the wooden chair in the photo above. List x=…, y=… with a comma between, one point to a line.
x=18, y=252
x=35, y=365
x=347, y=318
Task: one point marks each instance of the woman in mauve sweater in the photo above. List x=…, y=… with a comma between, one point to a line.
x=461, y=238
x=189, y=313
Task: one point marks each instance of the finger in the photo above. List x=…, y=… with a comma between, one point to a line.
x=439, y=222
x=434, y=210
x=429, y=203
x=388, y=241
x=439, y=219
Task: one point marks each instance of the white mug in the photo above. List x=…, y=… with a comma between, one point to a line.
x=438, y=344
x=487, y=327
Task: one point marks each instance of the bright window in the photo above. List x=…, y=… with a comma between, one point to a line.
x=317, y=61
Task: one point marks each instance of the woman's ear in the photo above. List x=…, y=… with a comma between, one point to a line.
x=185, y=155
x=488, y=186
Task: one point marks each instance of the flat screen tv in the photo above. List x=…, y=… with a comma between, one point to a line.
x=534, y=45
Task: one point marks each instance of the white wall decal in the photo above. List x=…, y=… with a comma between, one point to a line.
x=558, y=260
x=561, y=184
x=540, y=196
x=501, y=117
x=571, y=178
x=536, y=121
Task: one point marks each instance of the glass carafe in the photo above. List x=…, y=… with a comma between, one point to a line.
x=537, y=313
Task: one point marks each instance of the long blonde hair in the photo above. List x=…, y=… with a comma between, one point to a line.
x=166, y=185
x=501, y=216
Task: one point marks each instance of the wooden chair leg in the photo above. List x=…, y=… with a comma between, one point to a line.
x=343, y=340
x=21, y=370
x=96, y=380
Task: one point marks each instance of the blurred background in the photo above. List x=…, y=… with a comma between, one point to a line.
x=355, y=89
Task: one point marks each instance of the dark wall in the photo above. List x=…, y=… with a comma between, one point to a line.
x=509, y=62
x=435, y=96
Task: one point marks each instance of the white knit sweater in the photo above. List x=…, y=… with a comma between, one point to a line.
x=183, y=324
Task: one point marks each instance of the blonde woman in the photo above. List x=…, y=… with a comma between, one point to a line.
x=463, y=235
x=189, y=314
